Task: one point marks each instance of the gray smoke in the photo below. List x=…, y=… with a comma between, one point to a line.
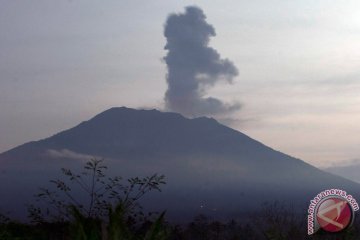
x=193, y=66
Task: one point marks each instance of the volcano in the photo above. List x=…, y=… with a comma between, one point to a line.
x=209, y=168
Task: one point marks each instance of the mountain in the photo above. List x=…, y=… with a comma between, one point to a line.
x=349, y=171
x=209, y=168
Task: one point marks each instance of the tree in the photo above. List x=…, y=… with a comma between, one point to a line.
x=109, y=202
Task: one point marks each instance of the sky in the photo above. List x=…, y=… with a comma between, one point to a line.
x=297, y=81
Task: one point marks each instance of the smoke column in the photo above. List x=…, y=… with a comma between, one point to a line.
x=193, y=67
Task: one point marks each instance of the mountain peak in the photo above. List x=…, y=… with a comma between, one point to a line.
x=121, y=112
x=117, y=111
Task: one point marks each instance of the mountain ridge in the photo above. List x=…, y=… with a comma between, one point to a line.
x=201, y=158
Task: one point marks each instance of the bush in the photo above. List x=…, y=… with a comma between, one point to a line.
x=111, y=210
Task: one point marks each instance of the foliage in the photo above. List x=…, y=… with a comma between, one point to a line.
x=102, y=194
x=264, y=224
x=277, y=221
x=157, y=230
x=112, y=212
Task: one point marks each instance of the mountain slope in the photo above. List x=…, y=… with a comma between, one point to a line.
x=205, y=162
x=350, y=171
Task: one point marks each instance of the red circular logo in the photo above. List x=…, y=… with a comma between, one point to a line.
x=334, y=214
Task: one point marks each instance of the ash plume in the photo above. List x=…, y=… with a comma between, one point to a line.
x=193, y=67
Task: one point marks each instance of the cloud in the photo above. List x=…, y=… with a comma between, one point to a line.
x=193, y=66
x=343, y=164
x=65, y=153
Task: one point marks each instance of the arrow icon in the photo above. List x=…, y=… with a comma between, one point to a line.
x=338, y=207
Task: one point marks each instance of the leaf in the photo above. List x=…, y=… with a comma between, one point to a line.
x=157, y=230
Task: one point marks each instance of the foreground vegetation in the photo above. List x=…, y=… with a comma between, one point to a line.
x=110, y=210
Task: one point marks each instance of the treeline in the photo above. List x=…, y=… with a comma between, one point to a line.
x=201, y=228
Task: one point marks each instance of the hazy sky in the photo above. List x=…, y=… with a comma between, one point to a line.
x=62, y=62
